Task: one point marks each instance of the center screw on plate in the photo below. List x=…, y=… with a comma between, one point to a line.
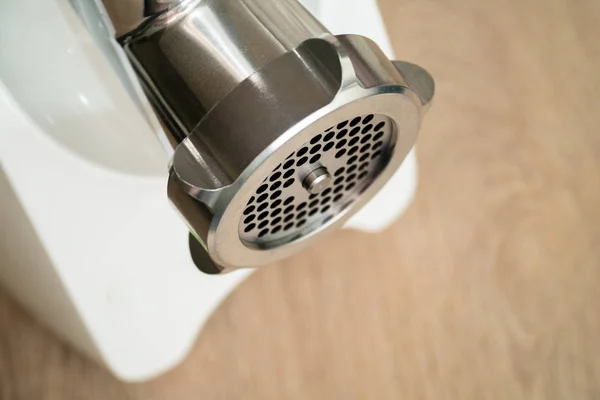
x=317, y=181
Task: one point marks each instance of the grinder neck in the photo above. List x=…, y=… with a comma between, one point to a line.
x=190, y=54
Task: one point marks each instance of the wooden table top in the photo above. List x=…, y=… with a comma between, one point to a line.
x=487, y=287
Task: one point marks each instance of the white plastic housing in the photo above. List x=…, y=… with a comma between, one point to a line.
x=89, y=242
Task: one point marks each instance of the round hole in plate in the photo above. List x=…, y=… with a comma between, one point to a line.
x=275, y=176
x=329, y=136
x=289, y=183
x=363, y=166
x=377, y=145
x=365, y=148
x=351, y=168
x=365, y=138
x=352, y=160
x=276, y=212
x=262, y=188
x=378, y=136
x=354, y=131
x=314, y=203
x=341, y=125
x=275, y=195
x=288, y=226
x=315, y=159
x=313, y=212
x=263, y=206
x=249, y=218
x=338, y=197
x=288, y=200
x=288, y=173
x=376, y=154
x=263, y=216
x=328, y=146
x=262, y=197
x=355, y=121
x=276, y=203
x=263, y=224
x=302, y=151
x=364, y=157
x=315, y=139
x=315, y=149
x=380, y=126
x=312, y=196
x=276, y=221
x=340, y=153
x=368, y=119
x=350, y=178
x=325, y=209
x=339, y=171
x=289, y=217
x=341, y=144
x=249, y=228
x=264, y=232
x=353, y=150
x=353, y=141
x=325, y=200
x=341, y=134
x=275, y=185
x=276, y=230
x=367, y=129
x=301, y=223
x=301, y=215
x=302, y=161
x=288, y=164
x=326, y=192
x=290, y=156
x=301, y=206
x=249, y=210
x=339, y=180
x=288, y=210
x=338, y=189
x=363, y=174
x=251, y=200
x=350, y=186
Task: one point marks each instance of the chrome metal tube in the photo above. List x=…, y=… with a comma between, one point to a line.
x=191, y=57
x=281, y=130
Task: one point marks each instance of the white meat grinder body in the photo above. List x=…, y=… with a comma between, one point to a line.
x=89, y=242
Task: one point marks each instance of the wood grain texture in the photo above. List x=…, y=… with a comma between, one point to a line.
x=487, y=288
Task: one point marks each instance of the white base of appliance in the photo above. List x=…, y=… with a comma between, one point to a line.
x=88, y=241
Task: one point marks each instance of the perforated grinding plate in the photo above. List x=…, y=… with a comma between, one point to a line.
x=282, y=209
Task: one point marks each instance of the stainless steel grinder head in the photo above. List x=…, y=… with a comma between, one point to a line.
x=281, y=130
